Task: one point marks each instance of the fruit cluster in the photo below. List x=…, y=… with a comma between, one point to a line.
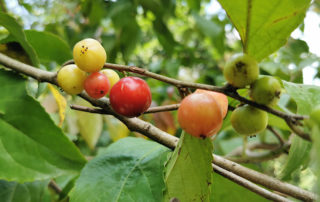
x=201, y=113
x=241, y=71
x=129, y=96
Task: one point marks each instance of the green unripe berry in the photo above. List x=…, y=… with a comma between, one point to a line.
x=248, y=120
x=241, y=70
x=266, y=90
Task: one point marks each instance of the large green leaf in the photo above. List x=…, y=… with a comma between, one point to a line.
x=17, y=32
x=27, y=192
x=306, y=97
x=189, y=172
x=129, y=170
x=32, y=146
x=264, y=26
x=298, y=155
x=224, y=190
x=49, y=47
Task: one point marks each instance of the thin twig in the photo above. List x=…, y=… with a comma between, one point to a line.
x=53, y=185
x=261, y=156
x=276, y=134
x=150, y=110
x=252, y=146
x=249, y=185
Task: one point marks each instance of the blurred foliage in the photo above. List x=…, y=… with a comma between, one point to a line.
x=185, y=39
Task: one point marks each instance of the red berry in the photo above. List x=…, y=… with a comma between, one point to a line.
x=200, y=115
x=130, y=96
x=97, y=85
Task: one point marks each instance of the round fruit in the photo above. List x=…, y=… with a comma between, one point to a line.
x=89, y=55
x=315, y=115
x=111, y=75
x=248, y=120
x=241, y=70
x=221, y=99
x=266, y=90
x=130, y=96
x=199, y=114
x=70, y=78
x=97, y=85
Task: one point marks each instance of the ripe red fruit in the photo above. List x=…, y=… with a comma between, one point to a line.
x=97, y=85
x=130, y=96
x=221, y=99
x=200, y=115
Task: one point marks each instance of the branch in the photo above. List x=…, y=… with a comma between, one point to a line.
x=147, y=129
x=249, y=185
x=260, y=157
x=275, y=133
x=38, y=74
x=253, y=146
x=53, y=185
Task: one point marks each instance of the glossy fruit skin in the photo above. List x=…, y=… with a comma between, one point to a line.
x=199, y=114
x=241, y=70
x=111, y=75
x=248, y=120
x=266, y=91
x=130, y=96
x=89, y=55
x=97, y=85
x=221, y=99
x=71, y=79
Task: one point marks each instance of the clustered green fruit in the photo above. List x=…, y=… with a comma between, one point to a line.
x=266, y=90
x=243, y=70
x=248, y=120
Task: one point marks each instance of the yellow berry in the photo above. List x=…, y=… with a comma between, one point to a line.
x=71, y=79
x=111, y=75
x=89, y=55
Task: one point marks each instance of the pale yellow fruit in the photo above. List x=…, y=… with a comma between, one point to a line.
x=89, y=55
x=71, y=79
x=111, y=75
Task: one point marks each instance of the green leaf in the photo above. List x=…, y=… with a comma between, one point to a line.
x=224, y=190
x=17, y=32
x=212, y=30
x=49, y=47
x=32, y=147
x=305, y=96
x=299, y=151
x=129, y=170
x=129, y=41
x=264, y=26
x=164, y=35
x=90, y=125
x=189, y=172
x=27, y=192
x=315, y=154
